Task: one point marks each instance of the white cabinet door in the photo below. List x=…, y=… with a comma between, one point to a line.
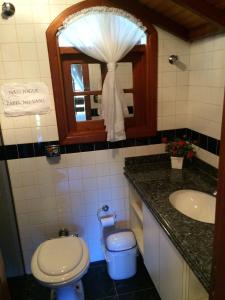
x=136, y=217
x=151, y=245
x=195, y=291
x=171, y=271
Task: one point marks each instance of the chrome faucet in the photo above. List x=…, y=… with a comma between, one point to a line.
x=215, y=193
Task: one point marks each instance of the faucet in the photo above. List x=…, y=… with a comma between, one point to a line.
x=215, y=193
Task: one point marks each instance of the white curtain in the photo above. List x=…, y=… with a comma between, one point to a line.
x=106, y=34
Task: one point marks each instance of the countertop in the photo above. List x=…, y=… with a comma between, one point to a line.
x=154, y=180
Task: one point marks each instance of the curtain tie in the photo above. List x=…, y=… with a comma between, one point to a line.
x=111, y=66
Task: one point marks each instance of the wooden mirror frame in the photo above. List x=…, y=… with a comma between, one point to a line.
x=218, y=268
x=144, y=122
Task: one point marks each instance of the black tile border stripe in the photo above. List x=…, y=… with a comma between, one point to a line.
x=38, y=149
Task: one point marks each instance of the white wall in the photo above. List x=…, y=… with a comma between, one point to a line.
x=172, y=82
x=206, y=85
x=206, y=90
x=24, y=58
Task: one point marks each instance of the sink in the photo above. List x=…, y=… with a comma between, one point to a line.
x=194, y=204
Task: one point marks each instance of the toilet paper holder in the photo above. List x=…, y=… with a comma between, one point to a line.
x=101, y=213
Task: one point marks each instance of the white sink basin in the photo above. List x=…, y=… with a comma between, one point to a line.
x=196, y=205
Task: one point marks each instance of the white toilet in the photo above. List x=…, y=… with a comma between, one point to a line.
x=60, y=264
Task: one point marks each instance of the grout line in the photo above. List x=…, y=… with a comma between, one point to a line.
x=114, y=284
x=108, y=297
x=139, y=290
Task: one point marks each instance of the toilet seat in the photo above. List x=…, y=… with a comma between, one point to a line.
x=60, y=261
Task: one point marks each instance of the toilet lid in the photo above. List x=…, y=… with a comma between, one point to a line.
x=120, y=241
x=59, y=256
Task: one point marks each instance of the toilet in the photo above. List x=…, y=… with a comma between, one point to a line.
x=60, y=264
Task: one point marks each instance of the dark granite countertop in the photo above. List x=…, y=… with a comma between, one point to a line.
x=154, y=180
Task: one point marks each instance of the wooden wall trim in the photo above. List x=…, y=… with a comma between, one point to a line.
x=218, y=270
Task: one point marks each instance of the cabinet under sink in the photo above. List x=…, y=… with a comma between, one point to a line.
x=172, y=277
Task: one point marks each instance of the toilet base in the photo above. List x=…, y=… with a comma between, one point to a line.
x=73, y=291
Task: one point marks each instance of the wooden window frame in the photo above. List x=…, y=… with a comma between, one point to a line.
x=144, y=59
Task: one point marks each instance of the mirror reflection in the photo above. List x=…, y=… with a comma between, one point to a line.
x=87, y=88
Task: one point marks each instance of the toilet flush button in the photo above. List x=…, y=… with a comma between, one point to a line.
x=59, y=256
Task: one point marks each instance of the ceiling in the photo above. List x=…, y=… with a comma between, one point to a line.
x=189, y=19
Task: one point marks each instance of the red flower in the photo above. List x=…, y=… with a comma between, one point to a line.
x=181, y=143
x=179, y=147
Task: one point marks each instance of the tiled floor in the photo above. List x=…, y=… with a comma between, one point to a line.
x=97, y=285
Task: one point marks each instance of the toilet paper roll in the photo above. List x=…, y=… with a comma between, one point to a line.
x=107, y=221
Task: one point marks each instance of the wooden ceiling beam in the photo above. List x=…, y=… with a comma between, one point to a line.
x=154, y=17
x=204, y=31
x=205, y=10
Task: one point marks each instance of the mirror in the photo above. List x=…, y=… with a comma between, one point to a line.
x=87, y=89
x=86, y=77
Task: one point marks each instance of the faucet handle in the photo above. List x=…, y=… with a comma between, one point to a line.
x=63, y=232
x=75, y=234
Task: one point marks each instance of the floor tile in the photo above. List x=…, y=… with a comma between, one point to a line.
x=149, y=294
x=95, y=264
x=97, y=286
x=27, y=288
x=109, y=298
x=140, y=281
x=97, y=283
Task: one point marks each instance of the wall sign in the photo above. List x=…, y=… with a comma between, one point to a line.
x=25, y=99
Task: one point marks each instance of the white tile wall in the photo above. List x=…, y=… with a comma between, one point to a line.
x=68, y=194
x=208, y=157
x=206, y=85
x=23, y=58
x=172, y=82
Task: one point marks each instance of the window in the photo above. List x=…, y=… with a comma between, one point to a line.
x=77, y=84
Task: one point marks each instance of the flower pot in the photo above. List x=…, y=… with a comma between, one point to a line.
x=176, y=162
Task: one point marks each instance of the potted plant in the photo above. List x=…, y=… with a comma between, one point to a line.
x=179, y=148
